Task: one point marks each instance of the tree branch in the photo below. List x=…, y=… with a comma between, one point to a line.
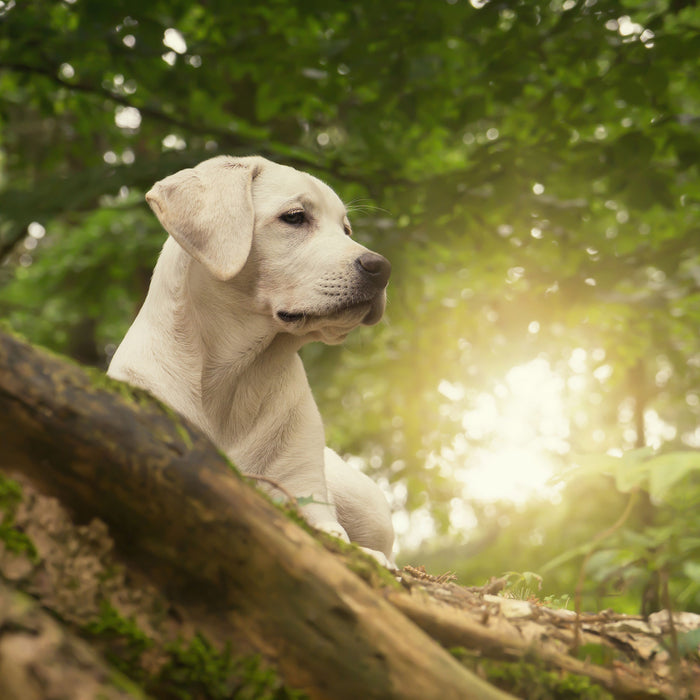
x=244, y=138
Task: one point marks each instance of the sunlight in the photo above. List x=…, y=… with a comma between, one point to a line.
x=174, y=40
x=523, y=426
x=511, y=440
x=509, y=473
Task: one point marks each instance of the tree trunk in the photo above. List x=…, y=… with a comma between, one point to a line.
x=207, y=540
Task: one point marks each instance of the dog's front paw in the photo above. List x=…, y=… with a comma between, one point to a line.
x=381, y=558
x=333, y=528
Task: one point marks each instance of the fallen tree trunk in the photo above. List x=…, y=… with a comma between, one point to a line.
x=241, y=569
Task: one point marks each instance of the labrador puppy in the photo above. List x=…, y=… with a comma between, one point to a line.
x=259, y=261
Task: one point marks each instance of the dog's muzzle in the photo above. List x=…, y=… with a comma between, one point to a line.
x=372, y=273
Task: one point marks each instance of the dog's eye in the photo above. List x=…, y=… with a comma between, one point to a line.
x=348, y=230
x=295, y=218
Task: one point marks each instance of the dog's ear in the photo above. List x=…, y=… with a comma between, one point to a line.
x=208, y=210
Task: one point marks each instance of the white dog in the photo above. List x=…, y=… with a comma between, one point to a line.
x=259, y=261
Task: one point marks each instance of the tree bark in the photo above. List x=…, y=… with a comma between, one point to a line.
x=209, y=541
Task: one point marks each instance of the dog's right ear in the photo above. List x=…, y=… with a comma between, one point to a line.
x=208, y=210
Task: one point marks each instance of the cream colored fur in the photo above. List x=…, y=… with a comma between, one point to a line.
x=258, y=263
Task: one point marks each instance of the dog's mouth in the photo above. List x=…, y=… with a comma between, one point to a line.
x=292, y=317
x=288, y=317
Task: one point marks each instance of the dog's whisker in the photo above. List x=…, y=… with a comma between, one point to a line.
x=366, y=209
x=364, y=206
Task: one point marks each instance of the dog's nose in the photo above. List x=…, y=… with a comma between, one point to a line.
x=375, y=268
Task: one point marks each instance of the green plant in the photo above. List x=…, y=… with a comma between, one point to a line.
x=196, y=670
x=657, y=555
x=14, y=539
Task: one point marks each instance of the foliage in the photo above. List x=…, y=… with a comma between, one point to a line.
x=530, y=168
x=526, y=680
x=12, y=538
x=667, y=547
x=688, y=643
x=198, y=670
x=523, y=585
x=653, y=553
x=122, y=638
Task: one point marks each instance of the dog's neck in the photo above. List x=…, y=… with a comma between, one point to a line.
x=219, y=346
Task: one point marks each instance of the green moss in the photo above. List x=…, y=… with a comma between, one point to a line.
x=6, y=327
x=183, y=433
x=120, y=682
x=359, y=562
x=121, y=640
x=193, y=670
x=140, y=398
x=291, y=512
x=14, y=539
x=527, y=679
x=197, y=670
x=10, y=494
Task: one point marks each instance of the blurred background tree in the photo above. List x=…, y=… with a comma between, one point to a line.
x=530, y=168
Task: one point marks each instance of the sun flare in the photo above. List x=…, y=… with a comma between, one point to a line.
x=518, y=428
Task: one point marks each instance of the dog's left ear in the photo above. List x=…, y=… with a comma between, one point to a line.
x=208, y=210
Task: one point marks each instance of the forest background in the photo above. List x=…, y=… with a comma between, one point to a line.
x=531, y=170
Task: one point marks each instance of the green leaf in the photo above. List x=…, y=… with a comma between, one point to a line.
x=692, y=570
x=666, y=470
x=689, y=642
x=630, y=471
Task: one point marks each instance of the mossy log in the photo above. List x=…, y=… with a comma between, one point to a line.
x=182, y=517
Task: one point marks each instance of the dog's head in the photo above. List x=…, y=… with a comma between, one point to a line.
x=281, y=234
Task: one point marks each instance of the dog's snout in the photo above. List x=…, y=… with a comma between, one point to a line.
x=374, y=267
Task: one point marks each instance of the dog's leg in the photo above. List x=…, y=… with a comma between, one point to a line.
x=322, y=517
x=305, y=482
x=361, y=508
